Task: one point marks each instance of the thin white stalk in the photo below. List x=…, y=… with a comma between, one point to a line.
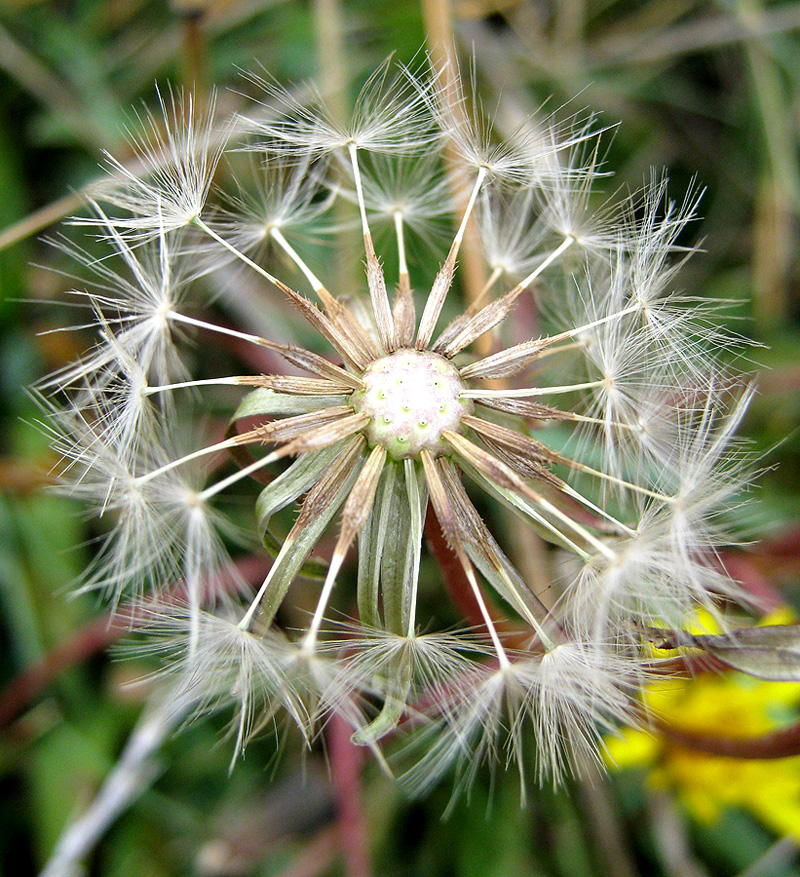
x=546, y=342
x=579, y=497
x=443, y=281
x=462, y=447
x=569, y=333
x=479, y=180
x=280, y=240
x=224, y=445
x=532, y=513
x=401, y=243
x=617, y=424
x=525, y=392
x=193, y=587
x=310, y=639
x=496, y=274
x=548, y=525
x=233, y=381
x=574, y=526
x=560, y=348
x=362, y=207
x=525, y=611
x=221, y=330
x=628, y=485
x=412, y=491
x=375, y=278
x=238, y=253
x=246, y=621
x=502, y=657
x=133, y=773
x=436, y=488
x=565, y=245
x=219, y=486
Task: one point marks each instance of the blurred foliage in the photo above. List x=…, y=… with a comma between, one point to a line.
x=710, y=89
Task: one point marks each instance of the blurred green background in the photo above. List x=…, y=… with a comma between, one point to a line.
x=706, y=89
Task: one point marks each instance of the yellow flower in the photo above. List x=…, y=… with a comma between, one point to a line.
x=730, y=704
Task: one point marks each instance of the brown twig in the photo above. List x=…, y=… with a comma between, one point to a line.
x=193, y=54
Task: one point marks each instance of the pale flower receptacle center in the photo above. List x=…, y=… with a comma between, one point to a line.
x=412, y=397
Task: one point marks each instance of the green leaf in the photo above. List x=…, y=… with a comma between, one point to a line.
x=14, y=198
x=263, y=402
x=292, y=483
x=370, y=547
x=292, y=556
x=399, y=677
x=285, y=489
x=400, y=561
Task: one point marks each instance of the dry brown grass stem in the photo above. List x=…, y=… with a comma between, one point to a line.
x=438, y=25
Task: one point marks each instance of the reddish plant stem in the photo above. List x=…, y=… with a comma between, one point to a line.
x=346, y=773
x=452, y=572
x=92, y=639
x=457, y=584
x=317, y=856
x=781, y=743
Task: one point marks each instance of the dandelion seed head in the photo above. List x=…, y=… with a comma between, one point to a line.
x=609, y=433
